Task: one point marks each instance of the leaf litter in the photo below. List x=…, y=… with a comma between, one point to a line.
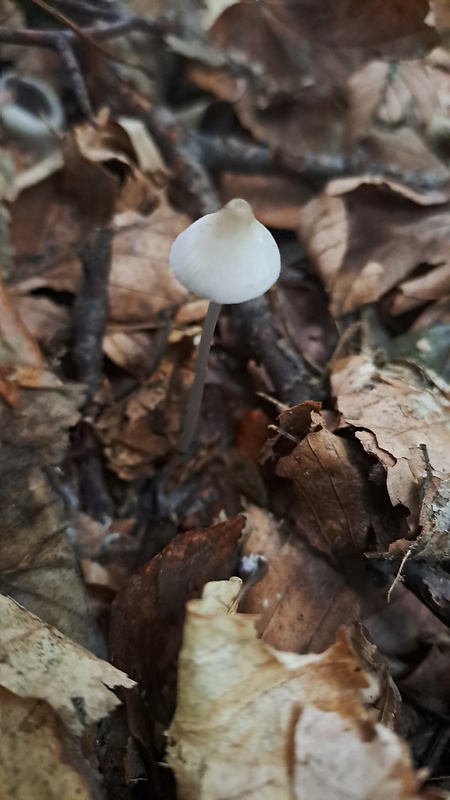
x=320, y=469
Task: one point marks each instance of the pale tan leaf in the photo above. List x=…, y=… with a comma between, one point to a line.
x=338, y=760
x=368, y=240
x=141, y=283
x=37, y=759
x=37, y=661
x=241, y=703
x=399, y=410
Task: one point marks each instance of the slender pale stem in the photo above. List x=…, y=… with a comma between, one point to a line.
x=195, y=399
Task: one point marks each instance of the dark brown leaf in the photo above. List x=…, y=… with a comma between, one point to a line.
x=148, y=613
x=302, y=600
x=332, y=510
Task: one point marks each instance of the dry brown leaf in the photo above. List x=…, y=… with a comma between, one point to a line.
x=397, y=409
x=415, y=292
x=135, y=351
x=302, y=600
x=89, y=156
x=287, y=38
x=391, y=94
x=129, y=429
x=47, y=321
x=37, y=757
x=17, y=345
x=38, y=564
x=143, y=148
x=38, y=567
x=141, y=283
x=37, y=661
x=243, y=703
x=333, y=507
x=147, y=614
x=339, y=761
x=367, y=241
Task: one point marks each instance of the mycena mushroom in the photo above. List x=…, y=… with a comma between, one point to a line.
x=226, y=257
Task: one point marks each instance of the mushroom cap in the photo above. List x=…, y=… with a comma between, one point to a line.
x=227, y=257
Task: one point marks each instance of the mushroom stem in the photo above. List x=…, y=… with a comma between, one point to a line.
x=195, y=399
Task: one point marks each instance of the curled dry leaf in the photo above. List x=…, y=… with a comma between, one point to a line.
x=249, y=718
x=38, y=661
x=398, y=411
x=37, y=757
x=368, y=240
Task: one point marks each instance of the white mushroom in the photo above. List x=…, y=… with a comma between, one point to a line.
x=227, y=257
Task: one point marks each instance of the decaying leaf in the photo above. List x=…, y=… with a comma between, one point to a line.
x=147, y=614
x=141, y=283
x=37, y=661
x=37, y=757
x=129, y=429
x=249, y=719
x=398, y=411
x=367, y=241
x=333, y=501
x=38, y=566
x=302, y=600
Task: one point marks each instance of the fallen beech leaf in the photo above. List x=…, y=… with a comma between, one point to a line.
x=37, y=757
x=243, y=703
x=330, y=480
x=89, y=155
x=354, y=240
x=37, y=661
x=397, y=410
x=45, y=234
x=302, y=600
x=417, y=291
x=336, y=760
x=134, y=351
x=143, y=147
x=38, y=567
x=147, y=614
x=388, y=700
x=291, y=35
x=141, y=284
x=47, y=321
x=128, y=428
x=17, y=345
x=406, y=94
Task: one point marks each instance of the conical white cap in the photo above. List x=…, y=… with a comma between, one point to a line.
x=227, y=257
